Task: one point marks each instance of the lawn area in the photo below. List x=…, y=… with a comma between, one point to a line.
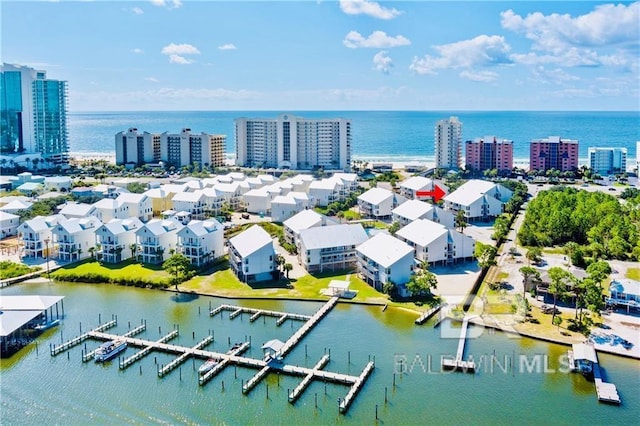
x=553, y=250
x=225, y=283
x=127, y=273
x=633, y=274
x=10, y=269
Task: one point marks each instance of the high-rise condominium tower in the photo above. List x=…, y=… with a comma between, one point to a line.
x=293, y=142
x=33, y=113
x=448, y=143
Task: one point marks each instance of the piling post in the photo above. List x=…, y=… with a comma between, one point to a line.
x=159, y=330
x=80, y=327
x=305, y=350
x=99, y=318
x=349, y=357
x=141, y=369
x=223, y=385
x=68, y=355
x=180, y=369
x=193, y=334
x=267, y=391
x=198, y=310
x=376, y=411
x=394, y=380
x=385, y=395
x=316, y=396
x=36, y=348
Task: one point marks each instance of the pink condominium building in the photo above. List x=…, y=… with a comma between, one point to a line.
x=489, y=153
x=554, y=153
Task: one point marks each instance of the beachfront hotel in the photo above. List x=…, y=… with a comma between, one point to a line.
x=448, y=143
x=607, y=161
x=33, y=116
x=181, y=149
x=292, y=142
x=553, y=153
x=489, y=153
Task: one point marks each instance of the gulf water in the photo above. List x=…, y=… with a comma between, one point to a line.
x=37, y=388
x=379, y=135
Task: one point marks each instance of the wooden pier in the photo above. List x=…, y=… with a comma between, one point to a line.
x=222, y=364
x=293, y=396
x=357, y=385
x=302, y=331
x=428, y=314
x=148, y=346
x=458, y=364
x=182, y=358
x=139, y=329
x=257, y=313
x=583, y=357
x=56, y=349
x=235, y=356
x=607, y=392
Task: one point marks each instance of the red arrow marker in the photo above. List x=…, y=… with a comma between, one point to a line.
x=437, y=193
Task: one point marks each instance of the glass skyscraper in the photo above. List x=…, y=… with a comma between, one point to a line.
x=33, y=113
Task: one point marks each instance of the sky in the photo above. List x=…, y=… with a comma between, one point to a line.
x=331, y=55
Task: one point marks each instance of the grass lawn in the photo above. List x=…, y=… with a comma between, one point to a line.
x=553, y=250
x=119, y=272
x=225, y=283
x=633, y=274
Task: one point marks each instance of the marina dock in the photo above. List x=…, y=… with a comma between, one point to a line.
x=293, y=396
x=139, y=329
x=302, y=331
x=584, y=358
x=428, y=314
x=257, y=313
x=56, y=349
x=182, y=358
x=235, y=356
x=359, y=382
x=458, y=364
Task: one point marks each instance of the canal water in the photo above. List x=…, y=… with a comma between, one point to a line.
x=518, y=379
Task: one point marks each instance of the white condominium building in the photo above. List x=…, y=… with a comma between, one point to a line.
x=137, y=148
x=181, y=149
x=607, y=161
x=448, y=143
x=293, y=142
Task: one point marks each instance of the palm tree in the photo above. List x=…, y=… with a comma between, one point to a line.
x=287, y=267
x=134, y=251
x=558, y=287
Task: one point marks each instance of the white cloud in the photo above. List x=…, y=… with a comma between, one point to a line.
x=177, y=59
x=377, y=39
x=482, y=76
x=552, y=76
x=137, y=11
x=584, y=40
x=382, y=62
x=227, y=46
x=176, y=53
x=180, y=49
x=152, y=79
x=482, y=50
x=170, y=4
x=366, y=7
x=137, y=51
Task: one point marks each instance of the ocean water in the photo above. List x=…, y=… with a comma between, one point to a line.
x=377, y=135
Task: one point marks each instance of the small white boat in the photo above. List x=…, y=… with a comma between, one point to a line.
x=110, y=349
x=208, y=365
x=46, y=325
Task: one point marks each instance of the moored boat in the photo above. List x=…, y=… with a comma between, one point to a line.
x=46, y=325
x=110, y=349
x=208, y=365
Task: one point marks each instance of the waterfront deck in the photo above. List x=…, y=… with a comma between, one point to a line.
x=458, y=364
x=257, y=313
x=606, y=392
x=312, y=321
x=428, y=314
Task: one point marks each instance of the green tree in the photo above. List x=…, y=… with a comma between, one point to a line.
x=390, y=288
x=534, y=255
x=528, y=273
x=177, y=265
x=558, y=286
x=395, y=227
x=287, y=267
x=461, y=220
x=599, y=271
x=136, y=187
x=487, y=256
x=422, y=282
x=556, y=320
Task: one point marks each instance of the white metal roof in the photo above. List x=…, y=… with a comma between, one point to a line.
x=303, y=220
x=251, y=240
x=422, y=232
x=412, y=209
x=375, y=196
x=384, y=249
x=333, y=236
x=584, y=351
x=416, y=183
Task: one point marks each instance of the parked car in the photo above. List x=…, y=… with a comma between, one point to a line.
x=245, y=215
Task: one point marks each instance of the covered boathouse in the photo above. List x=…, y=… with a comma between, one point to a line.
x=23, y=318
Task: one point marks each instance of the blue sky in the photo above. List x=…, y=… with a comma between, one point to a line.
x=331, y=55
